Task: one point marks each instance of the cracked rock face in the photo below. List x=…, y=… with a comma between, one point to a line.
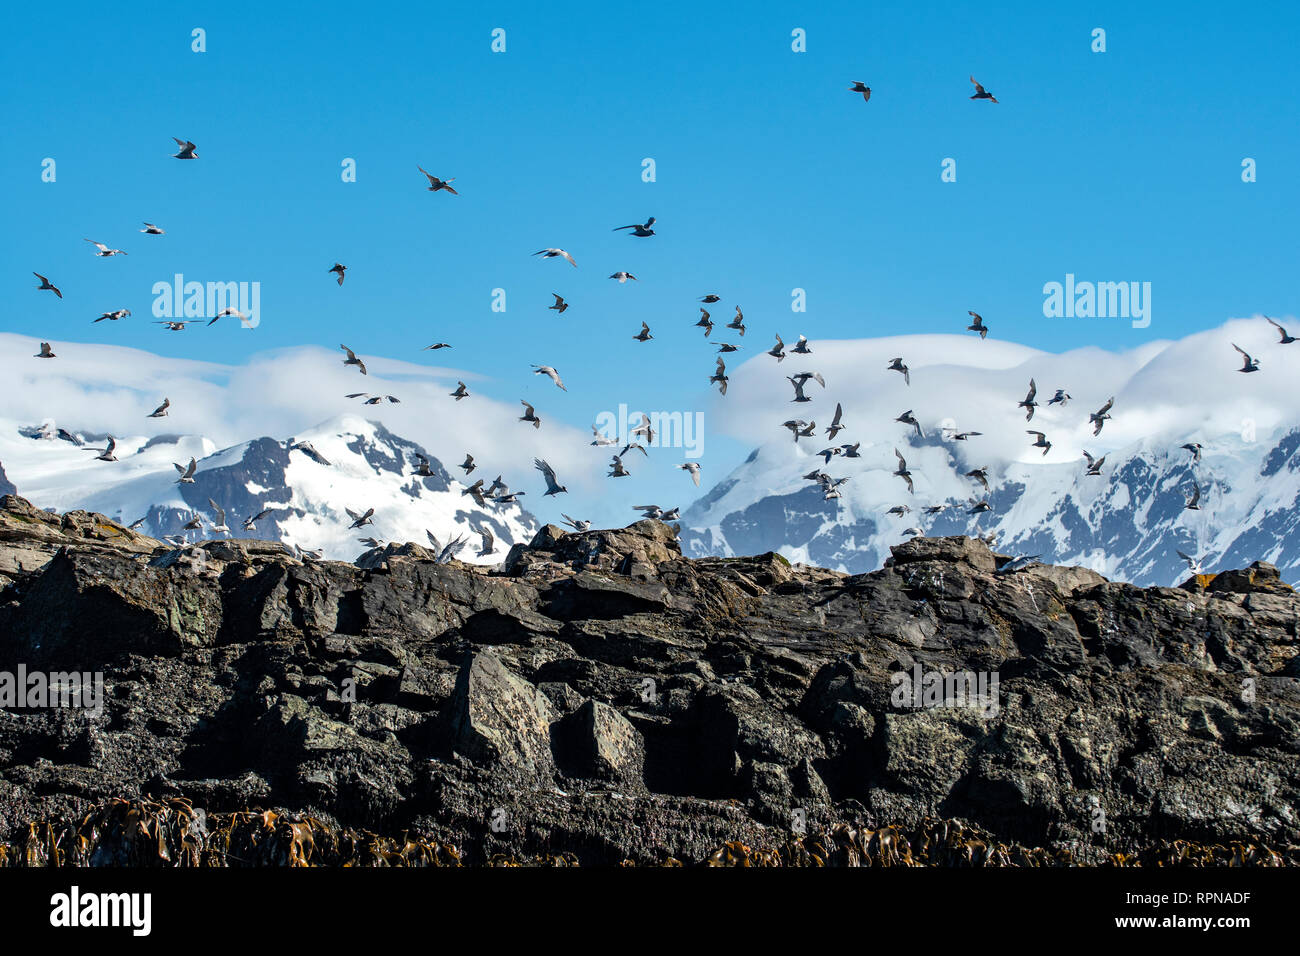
x=603, y=696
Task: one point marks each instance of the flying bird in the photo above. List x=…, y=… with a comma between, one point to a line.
x=981, y=475
x=461, y=391
x=798, y=381
x=694, y=468
x=229, y=310
x=560, y=305
x=1194, y=502
x=738, y=323
x=151, y=230
x=978, y=325
x=161, y=410
x=360, y=520
x=644, y=335
x=902, y=471
x=1098, y=418
x=835, y=426
x=907, y=419
x=575, y=524
x=645, y=428
x=436, y=184
x=423, y=469
x=859, y=87
x=641, y=230
x=777, y=351
x=353, y=360
x=187, y=149
x=1061, y=398
x=435, y=346
x=896, y=365
x=710, y=298
x=801, y=347
x=46, y=351
x=308, y=449
x=705, y=322
x=107, y=453
x=105, y=252
x=186, y=472
x=488, y=545
x=622, y=277
x=553, y=487
x=552, y=253
x=529, y=415
x=220, y=524
x=250, y=522
x=551, y=373
x=1248, y=364
x=1193, y=564
x=1042, y=441
x=617, y=470
x=981, y=93
x=1195, y=448
x=600, y=440
x=1029, y=402
x=46, y=285
x=1286, y=339
x=468, y=463
x=1094, y=464
x=114, y=316
x=340, y=268
x=720, y=376
x=727, y=347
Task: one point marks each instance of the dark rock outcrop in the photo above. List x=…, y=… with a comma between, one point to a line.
x=604, y=697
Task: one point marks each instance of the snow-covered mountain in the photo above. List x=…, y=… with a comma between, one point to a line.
x=358, y=464
x=1127, y=523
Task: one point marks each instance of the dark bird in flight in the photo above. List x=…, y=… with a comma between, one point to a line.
x=187, y=149
x=710, y=298
x=359, y=520
x=46, y=285
x=641, y=230
x=644, y=335
x=981, y=93
x=896, y=365
x=981, y=475
x=436, y=184
x=902, y=471
x=353, y=360
x=1098, y=418
x=461, y=392
x=705, y=323
x=560, y=305
x=978, y=325
x=1042, y=441
x=161, y=410
x=907, y=419
x=720, y=377
x=151, y=230
x=553, y=487
x=1062, y=397
x=1248, y=364
x=622, y=277
x=1029, y=402
x=1194, y=502
x=1094, y=464
x=1286, y=339
x=46, y=351
x=1195, y=448
x=529, y=415
x=341, y=269
x=860, y=87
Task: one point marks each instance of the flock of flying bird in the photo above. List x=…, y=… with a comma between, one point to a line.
x=499, y=492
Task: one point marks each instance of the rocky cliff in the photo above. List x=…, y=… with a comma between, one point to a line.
x=600, y=696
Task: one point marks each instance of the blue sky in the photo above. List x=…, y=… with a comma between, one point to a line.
x=1123, y=165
